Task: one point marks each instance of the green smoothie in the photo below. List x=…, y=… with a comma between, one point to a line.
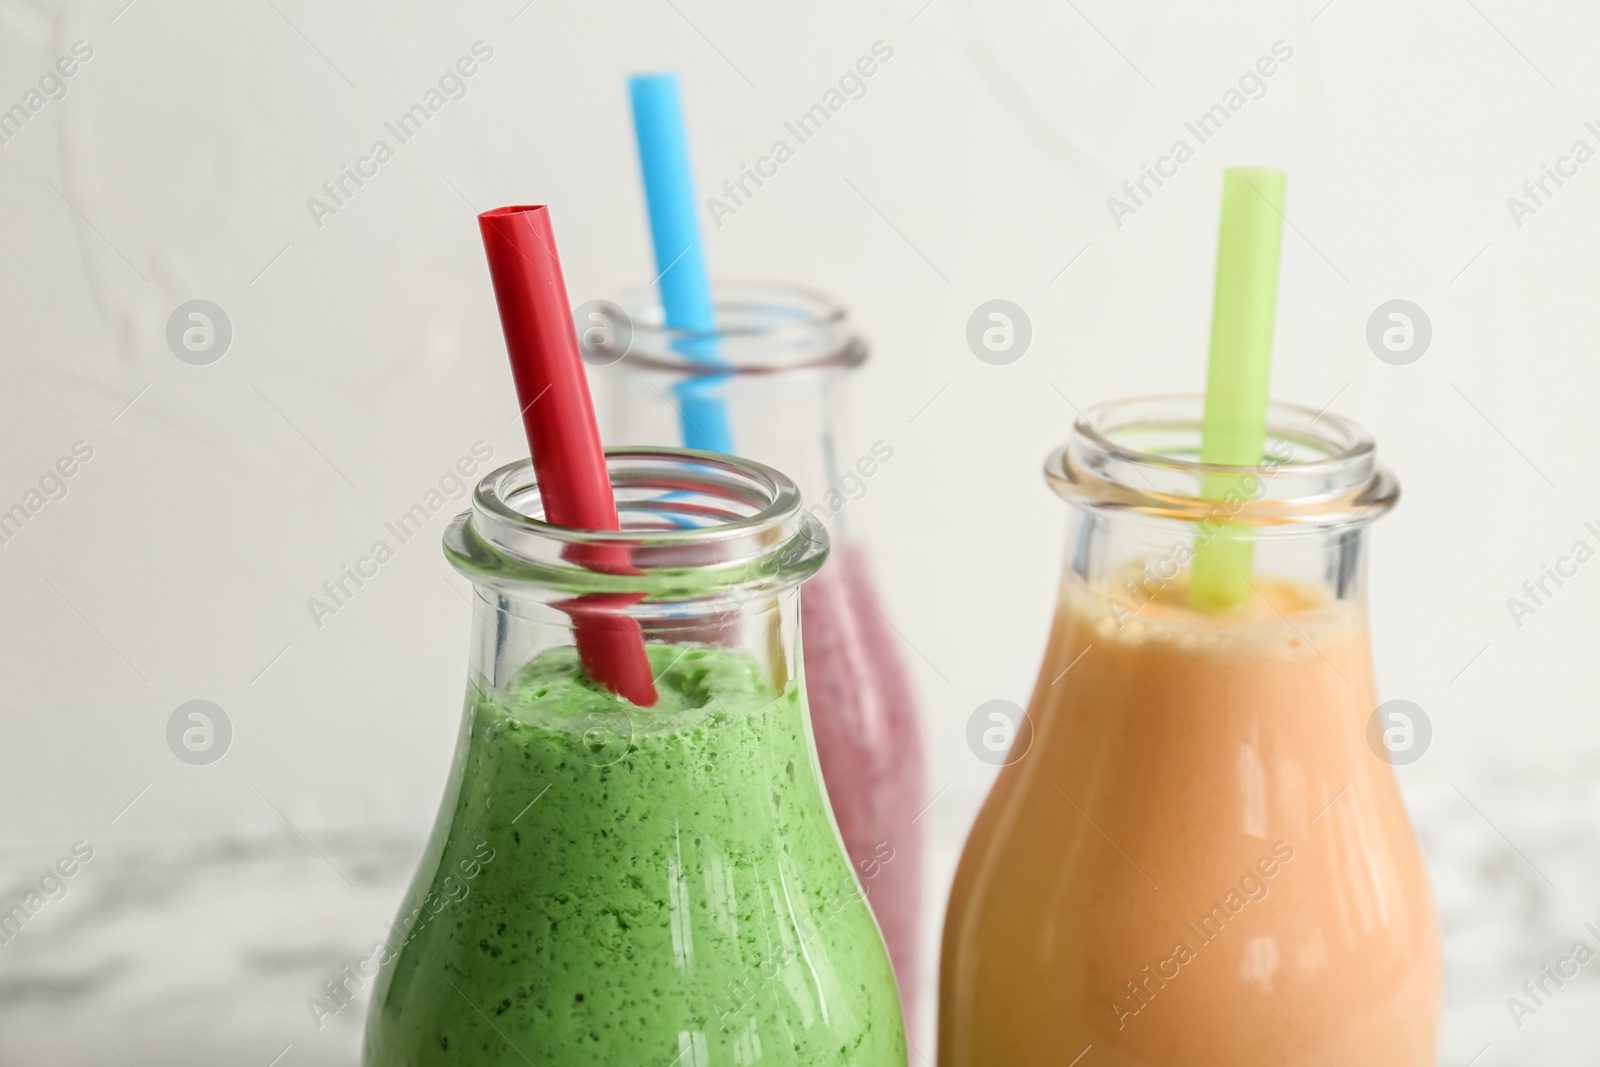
x=635, y=887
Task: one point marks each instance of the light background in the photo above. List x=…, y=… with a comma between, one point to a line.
x=366, y=358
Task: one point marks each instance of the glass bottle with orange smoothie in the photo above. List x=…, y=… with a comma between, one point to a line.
x=1199, y=859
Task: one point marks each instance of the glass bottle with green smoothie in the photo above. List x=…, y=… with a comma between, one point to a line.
x=613, y=884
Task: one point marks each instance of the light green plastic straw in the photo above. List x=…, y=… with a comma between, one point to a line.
x=1235, y=428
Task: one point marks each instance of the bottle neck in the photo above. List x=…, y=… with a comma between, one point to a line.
x=1139, y=565
x=794, y=421
x=766, y=380
x=710, y=551
x=1148, y=513
x=510, y=634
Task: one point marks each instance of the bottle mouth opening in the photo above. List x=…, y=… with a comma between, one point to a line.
x=696, y=526
x=1143, y=455
x=757, y=328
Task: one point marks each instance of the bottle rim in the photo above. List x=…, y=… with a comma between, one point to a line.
x=696, y=527
x=762, y=328
x=1141, y=455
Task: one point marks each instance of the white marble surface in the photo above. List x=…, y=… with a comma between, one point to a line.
x=205, y=954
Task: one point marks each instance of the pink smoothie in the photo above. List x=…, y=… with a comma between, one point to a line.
x=869, y=740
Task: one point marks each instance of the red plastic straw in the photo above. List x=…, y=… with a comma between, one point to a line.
x=562, y=435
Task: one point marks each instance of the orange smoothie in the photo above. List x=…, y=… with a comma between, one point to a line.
x=1199, y=861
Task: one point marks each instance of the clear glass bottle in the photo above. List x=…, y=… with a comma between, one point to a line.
x=1201, y=856
x=782, y=359
x=611, y=884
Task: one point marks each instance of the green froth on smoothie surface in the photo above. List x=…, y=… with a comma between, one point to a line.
x=688, y=678
x=666, y=883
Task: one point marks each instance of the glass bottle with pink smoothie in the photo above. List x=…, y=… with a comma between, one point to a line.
x=784, y=356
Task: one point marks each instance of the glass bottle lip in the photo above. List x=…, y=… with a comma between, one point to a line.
x=696, y=527
x=762, y=328
x=1141, y=455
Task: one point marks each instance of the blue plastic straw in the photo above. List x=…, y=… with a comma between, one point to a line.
x=680, y=260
